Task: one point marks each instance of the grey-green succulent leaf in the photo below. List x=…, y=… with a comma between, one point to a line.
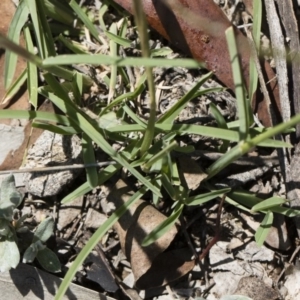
x=10, y=198
x=30, y=253
x=44, y=230
x=48, y=260
x=6, y=230
x=9, y=254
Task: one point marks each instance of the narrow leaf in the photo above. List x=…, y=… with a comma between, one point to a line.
x=44, y=230
x=263, y=230
x=268, y=204
x=84, y=18
x=32, y=76
x=239, y=85
x=202, y=198
x=19, y=19
x=88, y=158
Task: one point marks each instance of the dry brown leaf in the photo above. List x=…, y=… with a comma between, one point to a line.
x=277, y=237
x=150, y=266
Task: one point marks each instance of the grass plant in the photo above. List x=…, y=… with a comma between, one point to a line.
x=149, y=144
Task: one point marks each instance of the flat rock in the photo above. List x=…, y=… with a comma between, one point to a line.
x=94, y=219
x=52, y=150
x=68, y=212
x=256, y=289
x=27, y=282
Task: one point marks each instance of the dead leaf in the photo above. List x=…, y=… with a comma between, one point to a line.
x=277, y=237
x=150, y=265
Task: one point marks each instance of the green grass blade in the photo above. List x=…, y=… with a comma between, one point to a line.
x=244, y=147
x=263, y=230
x=286, y=211
x=273, y=131
x=243, y=107
x=85, y=20
x=32, y=72
x=15, y=87
x=218, y=116
x=140, y=20
x=64, y=130
x=46, y=34
x=202, y=198
x=161, y=52
x=9, y=45
x=88, y=158
x=268, y=204
x=34, y=115
x=244, y=198
x=113, y=69
x=132, y=95
x=225, y=160
x=74, y=46
x=159, y=155
x=80, y=191
x=164, y=227
x=94, y=240
x=117, y=39
x=236, y=204
x=218, y=133
x=257, y=19
x=19, y=19
x=103, y=9
x=85, y=188
x=79, y=120
x=221, y=123
x=38, y=18
x=133, y=116
x=168, y=186
x=98, y=59
x=59, y=11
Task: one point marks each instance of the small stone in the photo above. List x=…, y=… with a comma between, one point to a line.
x=94, y=219
x=52, y=150
x=256, y=289
x=69, y=212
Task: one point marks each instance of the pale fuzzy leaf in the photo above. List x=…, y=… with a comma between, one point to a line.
x=6, y=188
x=9, y=255
x=5, y=230
x=30, y=254
x=9, y=197
x=44, y=230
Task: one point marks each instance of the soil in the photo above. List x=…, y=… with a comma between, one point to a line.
x=233, y=265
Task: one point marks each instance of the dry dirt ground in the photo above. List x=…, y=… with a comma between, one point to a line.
x=234, y=264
